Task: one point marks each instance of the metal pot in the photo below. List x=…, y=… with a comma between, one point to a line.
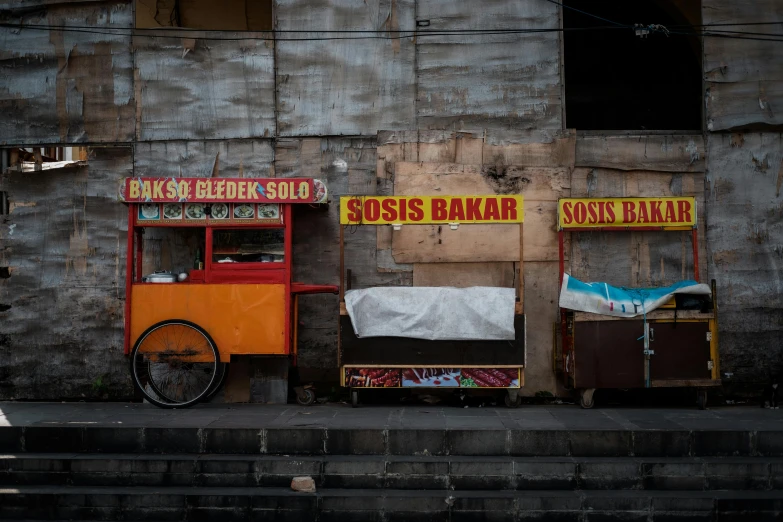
x=160, y=276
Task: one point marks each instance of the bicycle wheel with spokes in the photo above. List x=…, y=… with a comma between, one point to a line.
x=175, y=363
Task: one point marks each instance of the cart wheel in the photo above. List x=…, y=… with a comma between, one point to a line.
x=512, y=403
x=701, y=399
x=175, y=364
x=306, y=397
x=220, y=380
x=355, y=398
x=586, y=399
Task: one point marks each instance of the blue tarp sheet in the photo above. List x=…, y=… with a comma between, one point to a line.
x=603, y=298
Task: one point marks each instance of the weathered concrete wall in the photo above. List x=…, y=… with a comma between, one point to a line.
x=745, y=244
x=62, y=86
x=61, y=319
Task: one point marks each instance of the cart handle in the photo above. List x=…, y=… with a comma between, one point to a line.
x=302, y=288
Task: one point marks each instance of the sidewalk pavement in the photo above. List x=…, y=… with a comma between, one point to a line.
x=342, y=416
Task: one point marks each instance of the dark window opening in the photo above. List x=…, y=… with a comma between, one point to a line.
x=5, y=272
x=4, y=307
x=3, y=203
x=616, y=80
x=225, y=15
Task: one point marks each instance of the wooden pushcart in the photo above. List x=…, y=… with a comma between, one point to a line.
x=402, y=361
x=675, y=345
x=237, y=299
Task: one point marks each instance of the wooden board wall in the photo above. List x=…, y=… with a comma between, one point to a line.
x=745, y=247
x=346, y=86
x=488, y=81
x=62, y=320
x=744, y=77
x=194, y=89
x=347, y=165
x=673, y=166
x=67, y=87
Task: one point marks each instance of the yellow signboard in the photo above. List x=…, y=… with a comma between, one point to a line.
x=626, y=212
x=425, y=210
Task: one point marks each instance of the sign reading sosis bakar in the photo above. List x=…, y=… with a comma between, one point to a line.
x=429, y=210
x=626, y=212
x=238, y=190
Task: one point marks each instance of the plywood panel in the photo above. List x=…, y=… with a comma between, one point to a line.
x=67, y=87
x=541, y=188
x=462, y=275
x=541, y=312
x=744, y=77
x=488, y=81
x=431, y=179
x=344, y=86
x=204, y=89
x=535, y=148
x=657, y=153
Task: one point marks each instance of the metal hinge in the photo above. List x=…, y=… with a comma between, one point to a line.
x=709, y=336
x=649, y=352
x=710, y=364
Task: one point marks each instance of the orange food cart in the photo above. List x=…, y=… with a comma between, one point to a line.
x=181, y=329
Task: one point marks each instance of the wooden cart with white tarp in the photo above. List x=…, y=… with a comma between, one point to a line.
x=614, y=337
x=431, y=337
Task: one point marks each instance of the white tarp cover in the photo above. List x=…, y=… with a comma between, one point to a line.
x=603, y=298
x=433, y=313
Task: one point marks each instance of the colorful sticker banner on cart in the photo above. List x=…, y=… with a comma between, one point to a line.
x=626, y=212
x=211, y=190
x=432, y=377
x=426, y=210
x=156, y=213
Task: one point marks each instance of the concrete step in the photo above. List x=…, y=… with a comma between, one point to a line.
x=395, y=472
x=361, y=441
x=367, y=505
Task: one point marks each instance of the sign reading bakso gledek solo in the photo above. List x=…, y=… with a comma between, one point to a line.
x=626, y=212
x=238, y=190
x=430, y=210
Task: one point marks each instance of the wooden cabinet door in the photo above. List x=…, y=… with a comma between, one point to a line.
x=682, y=351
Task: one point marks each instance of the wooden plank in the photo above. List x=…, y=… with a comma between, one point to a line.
x=462, y=275
x=655, y=315
x=647, y=152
